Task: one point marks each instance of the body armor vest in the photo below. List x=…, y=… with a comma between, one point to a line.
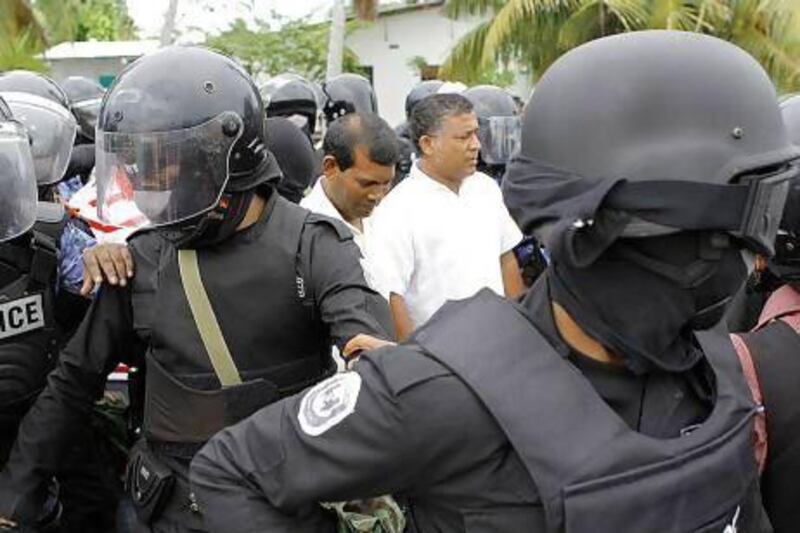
x=29, y=335
x=593, y=472
x=279, y=343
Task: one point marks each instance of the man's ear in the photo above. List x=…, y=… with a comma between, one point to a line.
x=426, y=145
x=330, y=167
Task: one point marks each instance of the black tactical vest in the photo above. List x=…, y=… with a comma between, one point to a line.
x=595, y=474
x=775, y=350
x=29, y=334
x=278, y=341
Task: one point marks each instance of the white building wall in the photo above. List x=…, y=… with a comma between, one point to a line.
x=90, y=67
x=389, y=43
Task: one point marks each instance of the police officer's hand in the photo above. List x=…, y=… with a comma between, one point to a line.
x=6, y=524
x=110, y=262
x=363, y=342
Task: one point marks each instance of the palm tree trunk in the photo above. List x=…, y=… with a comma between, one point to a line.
x=168, y=29
x=336, y=40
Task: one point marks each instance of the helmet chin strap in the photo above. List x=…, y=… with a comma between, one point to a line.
x=214, y=226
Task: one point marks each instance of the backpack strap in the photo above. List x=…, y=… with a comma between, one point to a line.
x=760, y=443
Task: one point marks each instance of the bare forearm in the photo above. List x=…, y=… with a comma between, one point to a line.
x=402, y=320
x=512, y=278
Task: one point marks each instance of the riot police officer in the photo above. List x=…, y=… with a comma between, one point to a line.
x=39, y=312
x=237, y=297
x=293, y=97
x=348, y=93
x=772, y=348
x=85, y=96
x=607, y=400
x=498, y=128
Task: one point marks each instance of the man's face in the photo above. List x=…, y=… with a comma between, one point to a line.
x=453, y=150
x=357, y=191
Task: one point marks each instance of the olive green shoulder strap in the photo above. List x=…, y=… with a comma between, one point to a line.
x=206, y=321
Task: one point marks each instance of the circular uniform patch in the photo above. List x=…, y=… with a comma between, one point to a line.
x=328, y=403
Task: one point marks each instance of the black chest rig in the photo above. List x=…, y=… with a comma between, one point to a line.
x=274, y=334
x=29, y=335
x=593, y=473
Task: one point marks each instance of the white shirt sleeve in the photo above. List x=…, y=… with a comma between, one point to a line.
x=510, y=234
x=391, y=249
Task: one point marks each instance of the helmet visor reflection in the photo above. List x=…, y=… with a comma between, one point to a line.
x=170, y=176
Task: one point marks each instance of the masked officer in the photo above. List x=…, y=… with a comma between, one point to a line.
x=295, y=156
x=567, y=411
x=772, y=349
x=237, y=296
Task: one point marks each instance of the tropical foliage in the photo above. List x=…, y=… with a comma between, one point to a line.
x=531, y=34
x=279, y=45
x=27, y=27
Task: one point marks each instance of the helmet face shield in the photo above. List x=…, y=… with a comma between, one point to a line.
x=17, y=181
x=51, y=129
x=170, y=176
x=500, y=138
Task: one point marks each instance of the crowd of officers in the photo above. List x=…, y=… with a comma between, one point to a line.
x=283, y=376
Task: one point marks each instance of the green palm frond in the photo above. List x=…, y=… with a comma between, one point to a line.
x=534, y=33
x=466, y=61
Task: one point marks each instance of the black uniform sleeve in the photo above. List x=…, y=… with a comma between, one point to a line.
x=411, y=425
x=103, y=338
x=346, y=303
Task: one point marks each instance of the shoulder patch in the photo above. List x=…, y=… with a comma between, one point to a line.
x=342, y=231
x=328, y=403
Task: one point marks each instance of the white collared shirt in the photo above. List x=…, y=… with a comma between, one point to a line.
x=433, y=245
x=317, y=201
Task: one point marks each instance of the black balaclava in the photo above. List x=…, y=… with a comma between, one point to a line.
x=640, y=297
x=295, y=155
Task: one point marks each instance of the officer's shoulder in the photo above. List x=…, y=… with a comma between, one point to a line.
x=147, y=244
x=405, y=366
x=318, y=223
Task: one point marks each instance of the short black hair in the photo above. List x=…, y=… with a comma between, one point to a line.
x=427, y=115
x=366, y=129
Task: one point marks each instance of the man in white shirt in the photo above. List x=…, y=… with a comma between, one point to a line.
x=444, y=232
x=360, y=153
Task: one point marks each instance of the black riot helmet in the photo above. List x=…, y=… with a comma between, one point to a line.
x=181, y=133
x=650, y=177
x=293, y=97
x=348, y=93
x=671, y=150
x=420, y=91
x=24, y=81
x=85, y=95
x=498, y=123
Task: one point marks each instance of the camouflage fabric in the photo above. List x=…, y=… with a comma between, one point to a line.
x=376, y=515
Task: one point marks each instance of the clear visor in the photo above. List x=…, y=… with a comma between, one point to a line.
x=17, y=181
x=87, y=112
x=51, y=129
x=169, y=176
x=499, y=137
